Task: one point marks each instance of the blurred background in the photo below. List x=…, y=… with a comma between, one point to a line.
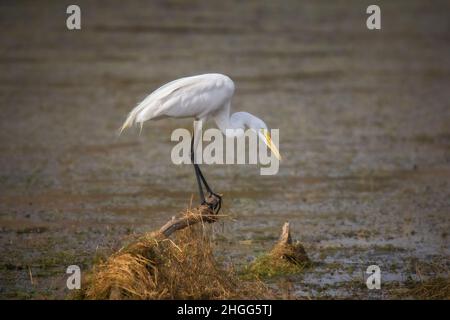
x=364, y=121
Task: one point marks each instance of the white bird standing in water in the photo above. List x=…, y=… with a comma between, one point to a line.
x=201, y=97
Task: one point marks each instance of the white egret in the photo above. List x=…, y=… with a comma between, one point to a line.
x=201, y=97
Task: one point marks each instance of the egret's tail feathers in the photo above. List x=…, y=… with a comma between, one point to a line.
x=142, y=112
x=128, y=123
x=131, y=120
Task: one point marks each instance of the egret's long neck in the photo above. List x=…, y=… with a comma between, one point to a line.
x=222, y=118
x=238, y=120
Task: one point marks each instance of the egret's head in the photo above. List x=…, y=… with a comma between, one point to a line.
x=244, y=120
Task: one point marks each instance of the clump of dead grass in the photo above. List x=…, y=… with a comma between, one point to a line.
x=285, y=258
x=278, y=262
x=433, y=281
x=431, y=289
x=428, y=280
x=160, y=268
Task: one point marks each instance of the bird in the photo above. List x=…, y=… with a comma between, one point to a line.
x=202, y=97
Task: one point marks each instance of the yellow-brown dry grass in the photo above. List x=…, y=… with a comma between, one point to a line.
x=433, y=281
x=293, y=253
x=432, y=289
x=285, y=258
x=182, y=268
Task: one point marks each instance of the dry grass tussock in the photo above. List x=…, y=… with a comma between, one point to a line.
x=286, y=257
x=156, y=267
x=432, y=289
x=433, y=283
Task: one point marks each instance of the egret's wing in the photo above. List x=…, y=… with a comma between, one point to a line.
x=185, y=97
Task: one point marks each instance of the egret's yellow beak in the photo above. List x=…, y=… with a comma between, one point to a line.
x=268, y=140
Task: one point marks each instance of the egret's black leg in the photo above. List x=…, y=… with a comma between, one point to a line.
x=219, y=204
x=197, y=174
x=200, y=178
x=204, y=180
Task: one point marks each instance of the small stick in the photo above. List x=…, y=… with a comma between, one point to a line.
x=31, y=275
x=203, y=213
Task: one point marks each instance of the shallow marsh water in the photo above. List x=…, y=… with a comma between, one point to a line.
x=364, y=121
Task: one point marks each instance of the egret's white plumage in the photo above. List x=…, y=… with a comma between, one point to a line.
x=198, y=96
x=201, y=97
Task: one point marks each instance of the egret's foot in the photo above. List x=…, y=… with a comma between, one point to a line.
x=218, y=205
x=214, y=202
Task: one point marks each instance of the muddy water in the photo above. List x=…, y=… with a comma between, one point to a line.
x=364, y=120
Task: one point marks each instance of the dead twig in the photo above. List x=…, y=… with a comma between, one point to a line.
x=203, y=213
